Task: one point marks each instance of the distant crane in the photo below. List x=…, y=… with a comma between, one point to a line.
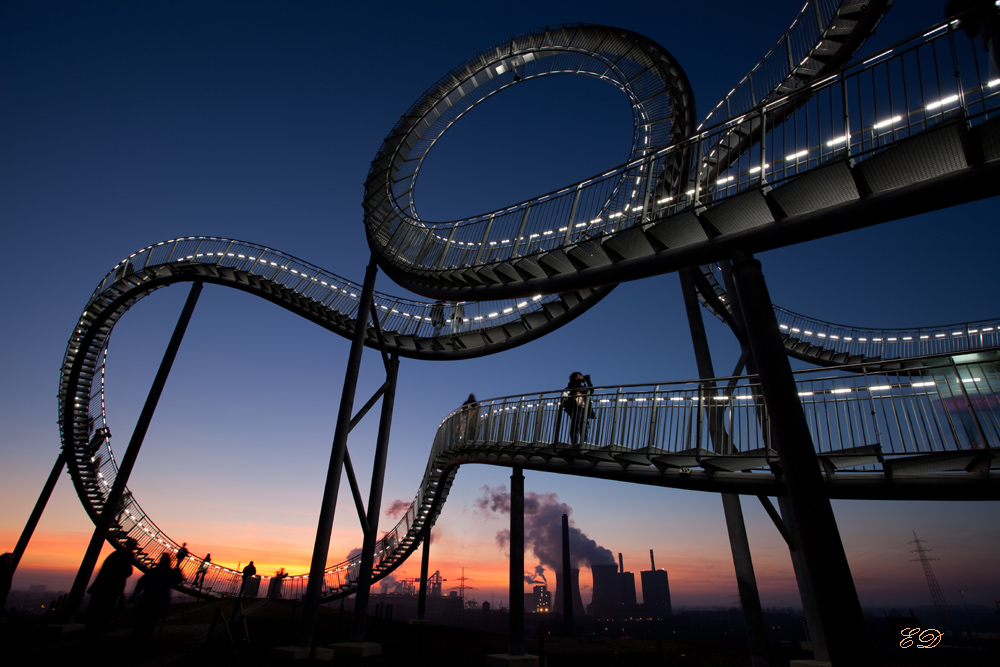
x=937, y=596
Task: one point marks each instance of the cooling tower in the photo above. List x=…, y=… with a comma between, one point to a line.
x=607, y=592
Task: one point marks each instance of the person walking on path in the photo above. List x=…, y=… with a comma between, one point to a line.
x=248, y=573
x=437, y=317
x=199, y=576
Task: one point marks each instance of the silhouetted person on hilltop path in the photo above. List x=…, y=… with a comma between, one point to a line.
x=153, y=592
x=199, y=576
x=107, y=590
x=182, y=555
x=248, y=572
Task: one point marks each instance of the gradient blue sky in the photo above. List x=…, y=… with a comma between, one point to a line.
x=124, y=124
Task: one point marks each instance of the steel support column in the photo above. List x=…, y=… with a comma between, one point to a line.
x=321, y=547
x=114, y=498
x=806, y=594
x=746, y=580
x=374, y=506
x=516, y=594
x=425, y=559
x=840, y=611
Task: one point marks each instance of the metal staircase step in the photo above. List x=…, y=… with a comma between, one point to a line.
x=508, y=274
x=555, y=262
x=588, y=255
x=629, y=244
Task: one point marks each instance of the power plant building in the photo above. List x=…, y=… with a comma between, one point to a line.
x=541, y=600
x=656, y=594
x=614, y=591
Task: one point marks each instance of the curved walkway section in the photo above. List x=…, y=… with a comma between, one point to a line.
x=410, y=328
x=910, y=130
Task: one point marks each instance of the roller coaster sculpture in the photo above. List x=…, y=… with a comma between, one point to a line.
x=805, y=146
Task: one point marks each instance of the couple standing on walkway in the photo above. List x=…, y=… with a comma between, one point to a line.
x=576, y=404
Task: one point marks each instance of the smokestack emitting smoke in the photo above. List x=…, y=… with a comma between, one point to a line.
x=542, y=527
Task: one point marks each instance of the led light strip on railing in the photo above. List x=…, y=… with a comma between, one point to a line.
x=883, y=339
x=426, y=306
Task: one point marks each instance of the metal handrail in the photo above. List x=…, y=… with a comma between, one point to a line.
x=934, y=77
x=890, y=343
x=401, y=315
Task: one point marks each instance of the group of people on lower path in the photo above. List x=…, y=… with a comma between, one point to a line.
x=151, y=595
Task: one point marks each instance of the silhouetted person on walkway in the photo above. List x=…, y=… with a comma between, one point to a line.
x=182, y=555
x=437, y=317
x=468, y=421
x=108, y=590
x=457, y=317
x=576, y=405
x=153, y=592
x=199, y=576
x=274, y=591
x=248, y=573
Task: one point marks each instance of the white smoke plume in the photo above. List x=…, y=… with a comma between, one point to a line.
x=543, y=531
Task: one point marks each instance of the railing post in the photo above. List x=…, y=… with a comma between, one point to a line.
x=847, y=115
x=447, y=246
x=958, y=76
x=763, y=144
x=697, y=171
x=482, y=244
x=651, y=440
x=572, y=214
x=614, y=417
x=520, y=232
x=539, y=418
x=647, y=197
x=699, y=414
